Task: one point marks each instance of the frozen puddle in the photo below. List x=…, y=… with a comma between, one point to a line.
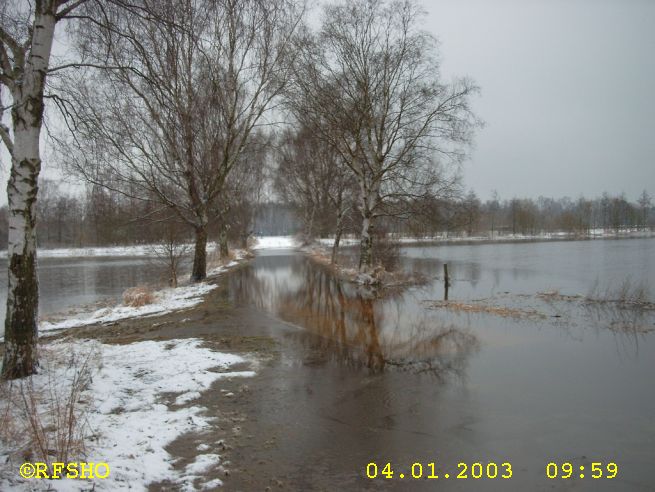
x=127, y=419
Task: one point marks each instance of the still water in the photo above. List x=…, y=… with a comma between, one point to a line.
x=65, y=283
x=393, y=380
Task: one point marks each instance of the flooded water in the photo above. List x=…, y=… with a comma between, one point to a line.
x=397, y=380
x=71, y=282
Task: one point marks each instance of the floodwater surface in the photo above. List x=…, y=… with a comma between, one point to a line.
x=403, y=380
x=66, y=283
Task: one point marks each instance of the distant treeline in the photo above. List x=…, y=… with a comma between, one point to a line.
x=99, y=217
x=526, y=216
x=468, y=215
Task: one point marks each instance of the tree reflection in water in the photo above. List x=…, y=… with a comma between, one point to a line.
x=349, y=326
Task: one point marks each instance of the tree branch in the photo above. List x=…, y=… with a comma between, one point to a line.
x=63, y=13
x=6, y=138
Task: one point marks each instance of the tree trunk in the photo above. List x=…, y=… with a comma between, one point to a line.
x=366, y=245
x=21, y=322
x=199, y=271
x=223, y=248
x=337, y=238
x=21, y=330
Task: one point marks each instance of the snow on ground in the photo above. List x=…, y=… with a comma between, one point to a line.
x=275, y=242
x=132, y=250
x=127, y=413
x=147, y=249
x=166, y=300
x=593, y=234
x=239, y=255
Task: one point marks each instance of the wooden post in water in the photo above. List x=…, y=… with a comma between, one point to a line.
x=446, y=281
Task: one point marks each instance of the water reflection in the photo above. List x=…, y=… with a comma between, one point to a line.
x=345, y=324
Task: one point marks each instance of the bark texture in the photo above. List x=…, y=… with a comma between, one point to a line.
x=26, y=87
x=223, y=249
x=199, y=271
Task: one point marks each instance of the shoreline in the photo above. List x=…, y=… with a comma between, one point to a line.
x=226, y=435
x=468, y=241
x=135, y=407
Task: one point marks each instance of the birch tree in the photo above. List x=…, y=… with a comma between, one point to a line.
x=192, y=81
x=369, y=83
x=26, y=37
x=314, y=179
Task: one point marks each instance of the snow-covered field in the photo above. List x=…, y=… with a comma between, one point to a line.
x=275, y=242
x=266, y=242
x=134, y=406
x=133, y=250
x=593, y=234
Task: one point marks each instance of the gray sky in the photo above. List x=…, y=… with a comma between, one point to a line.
x=567, y=92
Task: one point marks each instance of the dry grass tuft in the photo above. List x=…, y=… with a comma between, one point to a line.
x=476, y=307
x=43, y=417
x=138, y=296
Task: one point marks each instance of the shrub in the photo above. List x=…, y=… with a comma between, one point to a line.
x=138, y=296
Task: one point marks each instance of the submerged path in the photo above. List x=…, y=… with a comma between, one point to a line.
x=344, y=380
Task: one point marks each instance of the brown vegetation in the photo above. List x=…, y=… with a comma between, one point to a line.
x=43, y=417
x=481, y=307
x=379, y=277
x=138, y=296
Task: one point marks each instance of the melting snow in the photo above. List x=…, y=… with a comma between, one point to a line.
x=166, y=300
x=132, y=423
x=275, y=242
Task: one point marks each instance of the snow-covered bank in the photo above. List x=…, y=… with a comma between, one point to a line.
x=166, y=300
x=133, y=250
x=265, y=242
x=275, y=242
x=135, y=405
x=550, y=236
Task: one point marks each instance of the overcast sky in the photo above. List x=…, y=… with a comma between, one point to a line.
x=568, y=92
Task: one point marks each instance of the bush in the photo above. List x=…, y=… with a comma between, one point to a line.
x=138, y=296
x=386, y=252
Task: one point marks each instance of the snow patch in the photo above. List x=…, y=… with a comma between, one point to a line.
x=275, y=242
x=132, y=250
x=131, y=423
x=202, y=464
x=166, y=300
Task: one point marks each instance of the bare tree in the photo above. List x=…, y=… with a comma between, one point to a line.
x=26, y=35
x=171, y=250
x=493, y=206
x=644, y=205
x=243, y=188
x=312, y=177
x=369, y=84
x=192, y=81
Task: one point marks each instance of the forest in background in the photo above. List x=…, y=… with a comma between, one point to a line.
x=99, y=217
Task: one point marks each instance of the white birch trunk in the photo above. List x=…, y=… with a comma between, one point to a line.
x=20, y=357
x=368, y=201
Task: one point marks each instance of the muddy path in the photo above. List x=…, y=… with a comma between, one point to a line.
x=344, y=380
